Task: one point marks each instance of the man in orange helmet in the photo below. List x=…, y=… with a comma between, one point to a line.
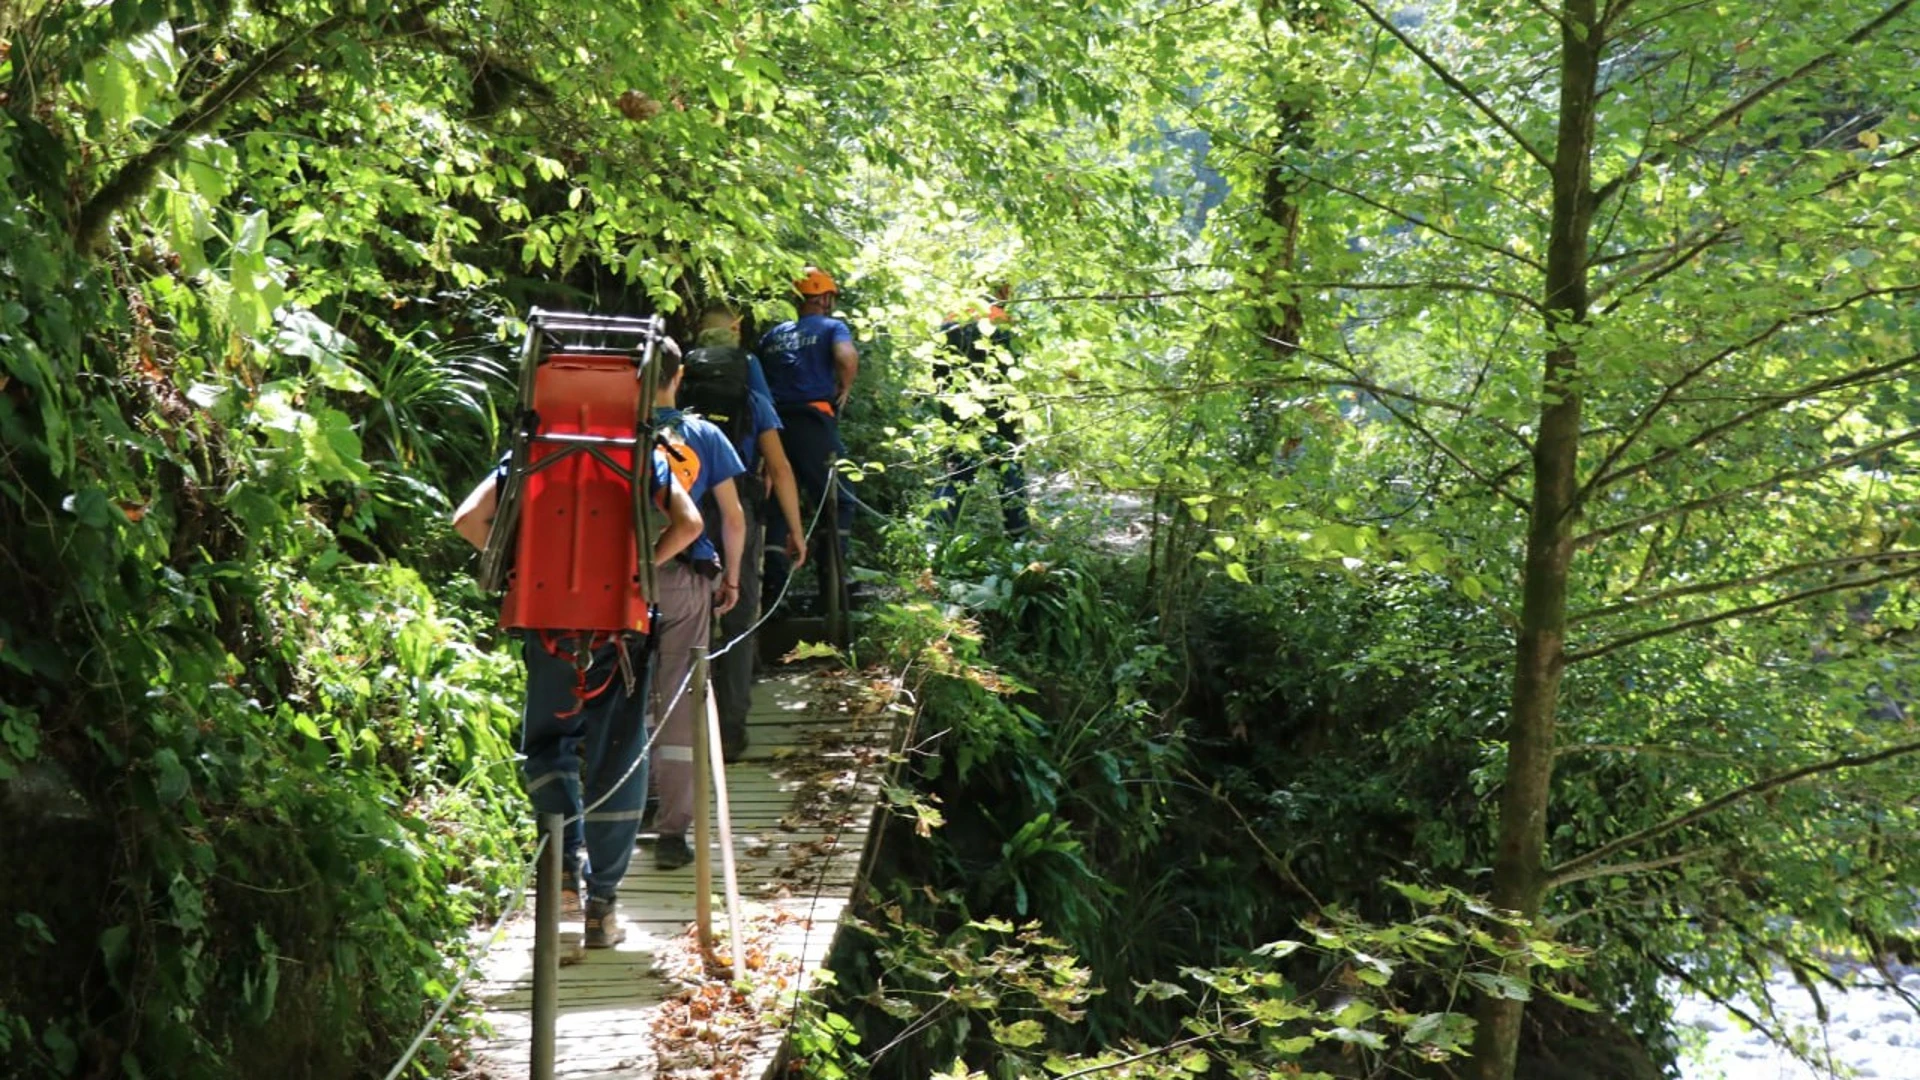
x=810, y=363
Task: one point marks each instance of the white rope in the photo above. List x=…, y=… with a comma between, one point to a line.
x=473, y=959
x=805, y=543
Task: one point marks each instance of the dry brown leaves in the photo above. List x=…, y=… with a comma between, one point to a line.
x=716, y=1026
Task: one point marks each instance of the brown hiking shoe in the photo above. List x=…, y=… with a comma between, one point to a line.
x=603, y=927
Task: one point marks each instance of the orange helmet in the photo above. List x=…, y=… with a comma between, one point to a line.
x=814, y=281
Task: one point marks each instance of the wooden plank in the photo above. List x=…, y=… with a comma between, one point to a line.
x=802, y=802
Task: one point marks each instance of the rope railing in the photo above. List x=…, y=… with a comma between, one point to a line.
x=473, y=960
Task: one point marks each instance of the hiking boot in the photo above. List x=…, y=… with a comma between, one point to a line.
x=671, y=853
x=733, y=744
x=603, y=927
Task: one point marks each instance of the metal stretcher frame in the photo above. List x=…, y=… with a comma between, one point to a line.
x=561, y=335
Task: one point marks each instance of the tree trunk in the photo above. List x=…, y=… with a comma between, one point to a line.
x=1519, y=870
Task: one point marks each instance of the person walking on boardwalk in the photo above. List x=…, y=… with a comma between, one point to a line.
x=977, y=353
x=724, y=383
x=693, y=587
x=583, y=728
x=810, y=363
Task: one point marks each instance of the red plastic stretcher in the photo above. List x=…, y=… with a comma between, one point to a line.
x=572, y=522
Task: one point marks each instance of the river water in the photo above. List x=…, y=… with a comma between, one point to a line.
x=1871, y=1033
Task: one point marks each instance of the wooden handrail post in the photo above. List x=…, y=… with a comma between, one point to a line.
x=730, y=873
x=546, y=950
x=702, y=811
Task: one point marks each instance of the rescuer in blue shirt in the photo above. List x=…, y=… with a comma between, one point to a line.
x=693, y=589
x=810, y=363
x=725, y=381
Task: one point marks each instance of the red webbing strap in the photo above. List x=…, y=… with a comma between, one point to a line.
x=582, y=661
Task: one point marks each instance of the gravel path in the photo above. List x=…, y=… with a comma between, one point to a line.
x=1871, y=1033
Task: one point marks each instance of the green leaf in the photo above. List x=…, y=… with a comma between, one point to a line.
x=1158, y=991
x=303, y=334
x=1355, y=1012
x=1496, y=985
x=113, y=945
x=1372, y=1040
x=1021, y=1033
x=810, y=650
x=172, y=781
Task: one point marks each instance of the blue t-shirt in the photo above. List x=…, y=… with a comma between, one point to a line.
x=760, y=406
x=764, y=420
x=757, y=378
x=798, y=357
x=703, y=459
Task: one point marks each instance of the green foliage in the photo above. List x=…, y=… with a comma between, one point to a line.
x=254, y=781
x=1285, y=294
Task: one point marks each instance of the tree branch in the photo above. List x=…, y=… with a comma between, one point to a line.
x=1654, y=272
x=1723, y=232
x=1111, y=297
x=1772, y=403
x=1356, y=286
x=134, y=178
x=1644, y=421
x=1569, y=749
x=1624, y=869
x=1737, y=109
x=1762, y=608
x=1705, y=502
x=1418, y=221
x=1455, y=84
x=1437, y=286
x=1568, y=870
x=1439, y=444
x=1885, y=557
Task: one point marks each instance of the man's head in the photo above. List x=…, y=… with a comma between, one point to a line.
x=666, y=361
x=719, y=326
x=817, y=291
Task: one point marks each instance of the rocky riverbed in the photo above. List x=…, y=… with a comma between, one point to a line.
x=1871, y=1032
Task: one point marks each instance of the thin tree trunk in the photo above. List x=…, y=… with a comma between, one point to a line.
x=1519, y=871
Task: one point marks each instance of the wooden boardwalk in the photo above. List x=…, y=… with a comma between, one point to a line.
x=803, y=803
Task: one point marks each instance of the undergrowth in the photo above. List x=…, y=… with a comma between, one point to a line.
x=256, y=775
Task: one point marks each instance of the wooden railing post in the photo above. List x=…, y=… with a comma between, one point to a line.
x=546, y=950
x=702, y=811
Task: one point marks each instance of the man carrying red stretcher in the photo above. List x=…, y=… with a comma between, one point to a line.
x=563, y=522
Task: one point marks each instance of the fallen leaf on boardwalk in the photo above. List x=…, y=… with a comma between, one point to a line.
x=711, y=1027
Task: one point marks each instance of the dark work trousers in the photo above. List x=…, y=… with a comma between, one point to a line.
x=1000, y=453
x=812, y=442
x=733, y=672
x=685, y=622
x=575, y=752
